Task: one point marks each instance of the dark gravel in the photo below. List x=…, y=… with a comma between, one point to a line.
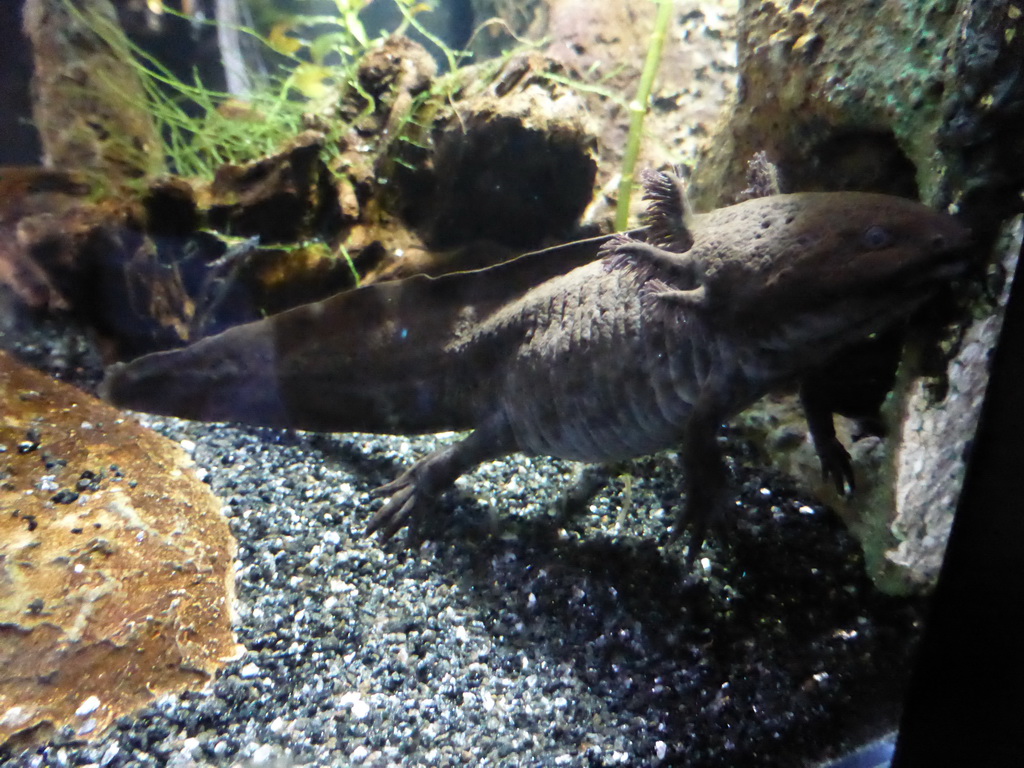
x=508, y=639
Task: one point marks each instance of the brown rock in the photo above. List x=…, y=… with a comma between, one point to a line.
x=116, y=565
x=508, y=158
x=604, y=46
x=88, y=100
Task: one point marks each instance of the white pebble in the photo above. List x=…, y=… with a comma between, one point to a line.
x=15, y=716
x=263, y=755
x=110, y=753
x=660, y=749
x=47, y=483
x=87, y=707
x=487, y=700
x=358, y=707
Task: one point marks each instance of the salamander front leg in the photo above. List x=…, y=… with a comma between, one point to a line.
x=706, y=479
x=836, y=465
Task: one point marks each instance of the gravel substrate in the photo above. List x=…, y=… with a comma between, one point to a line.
x=508, y=639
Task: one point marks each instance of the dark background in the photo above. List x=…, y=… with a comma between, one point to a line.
x=19, y=143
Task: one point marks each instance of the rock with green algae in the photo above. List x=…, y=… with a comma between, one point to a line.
x=883, y=96
x=116, y=565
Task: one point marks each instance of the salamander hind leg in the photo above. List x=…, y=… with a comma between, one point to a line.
x=414, y=492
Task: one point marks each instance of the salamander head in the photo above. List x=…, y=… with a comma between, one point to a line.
x=850, y=254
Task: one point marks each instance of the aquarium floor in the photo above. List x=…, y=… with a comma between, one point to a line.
x=506, y=637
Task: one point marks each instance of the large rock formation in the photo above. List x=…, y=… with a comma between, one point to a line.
x=116, y=565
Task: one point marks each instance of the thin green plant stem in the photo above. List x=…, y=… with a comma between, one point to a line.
x=582, y=87
x=351, y=264
x=638, y=111
x=453, y=57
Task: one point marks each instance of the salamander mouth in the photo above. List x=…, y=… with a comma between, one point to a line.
x=917, y=276
x=825, y=320
x=950, y=268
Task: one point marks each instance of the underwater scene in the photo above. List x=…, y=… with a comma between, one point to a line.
x=473, y=382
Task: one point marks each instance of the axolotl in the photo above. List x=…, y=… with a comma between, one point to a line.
x=597, y=351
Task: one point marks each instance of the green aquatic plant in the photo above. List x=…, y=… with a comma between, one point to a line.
x=637, y=107
x=203, y=128
x=638, y=110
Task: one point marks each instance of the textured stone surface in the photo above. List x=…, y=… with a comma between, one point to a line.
x=840, y=95
x=87, y=98
x=908, y=485
x=935, y=438
x=116, y=565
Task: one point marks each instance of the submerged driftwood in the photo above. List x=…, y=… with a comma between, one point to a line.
x=453, y=173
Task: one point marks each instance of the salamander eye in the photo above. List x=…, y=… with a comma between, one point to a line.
x=876, y=237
